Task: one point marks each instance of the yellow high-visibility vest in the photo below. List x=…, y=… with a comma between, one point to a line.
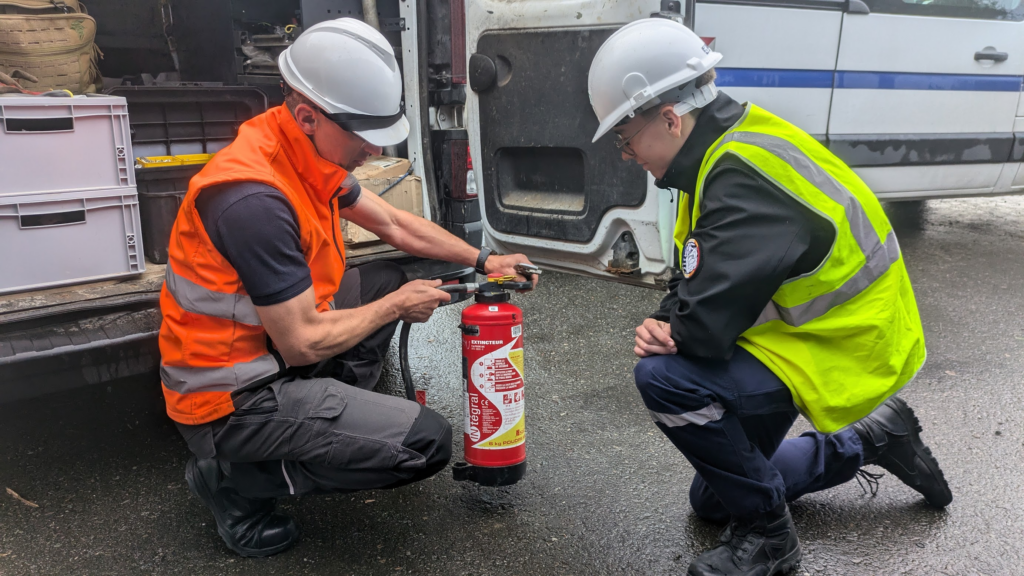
x=846, y=336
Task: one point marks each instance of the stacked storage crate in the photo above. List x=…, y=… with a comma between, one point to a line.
x=69, y=210
x=175, y=131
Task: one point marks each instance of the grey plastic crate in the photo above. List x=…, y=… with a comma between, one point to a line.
x=59, y=144
x=171, y=121
x=54, y=239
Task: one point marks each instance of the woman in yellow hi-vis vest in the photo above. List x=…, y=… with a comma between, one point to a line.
x=791, y=297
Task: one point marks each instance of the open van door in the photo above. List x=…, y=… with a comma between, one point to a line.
x=545, y=189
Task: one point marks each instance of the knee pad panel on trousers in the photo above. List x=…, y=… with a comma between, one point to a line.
x=431, y=436
x=648, y=372
x=670, y=384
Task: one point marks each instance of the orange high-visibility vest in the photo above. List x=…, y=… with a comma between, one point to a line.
x=212, y=342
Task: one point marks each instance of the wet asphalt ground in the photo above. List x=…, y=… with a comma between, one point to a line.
x=605, y=492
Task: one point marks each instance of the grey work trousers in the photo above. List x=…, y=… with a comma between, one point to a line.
x=316, y=434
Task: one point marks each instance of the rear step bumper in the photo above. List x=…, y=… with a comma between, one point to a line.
x=66, y=354
x=47, y=350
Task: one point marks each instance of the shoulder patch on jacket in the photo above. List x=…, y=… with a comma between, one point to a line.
x=691, y=258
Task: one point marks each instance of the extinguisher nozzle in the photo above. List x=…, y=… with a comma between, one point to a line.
x=459, y=288
x=487, y=475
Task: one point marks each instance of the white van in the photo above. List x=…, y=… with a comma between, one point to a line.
x=921, y=97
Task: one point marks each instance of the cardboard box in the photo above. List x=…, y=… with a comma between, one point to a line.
x=376, y=175
x=380, y=171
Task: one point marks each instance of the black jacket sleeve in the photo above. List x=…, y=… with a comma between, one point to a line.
x=670, y=302
x=752, y=237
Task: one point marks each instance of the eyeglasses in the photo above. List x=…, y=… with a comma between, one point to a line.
x=623, y=144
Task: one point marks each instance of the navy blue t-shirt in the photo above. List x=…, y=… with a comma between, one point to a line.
x=256, y=229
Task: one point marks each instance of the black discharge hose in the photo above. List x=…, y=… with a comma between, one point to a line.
x=403, y=355
x=403, y=339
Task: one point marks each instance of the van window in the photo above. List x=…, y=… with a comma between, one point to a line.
x=978, y=9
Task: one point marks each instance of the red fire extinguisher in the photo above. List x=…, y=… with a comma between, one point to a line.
x=493, y=387
x=493, y=382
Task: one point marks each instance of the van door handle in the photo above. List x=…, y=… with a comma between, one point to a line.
x=857, y=7
x=991, y=54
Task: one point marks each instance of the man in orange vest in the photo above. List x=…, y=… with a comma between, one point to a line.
x=269, y=347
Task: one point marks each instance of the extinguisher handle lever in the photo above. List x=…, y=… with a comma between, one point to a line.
x=527, y=269
x=517, y=285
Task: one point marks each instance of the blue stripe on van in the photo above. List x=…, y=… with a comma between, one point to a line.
x=772, y=78
x=907, y=81
x=768, y=78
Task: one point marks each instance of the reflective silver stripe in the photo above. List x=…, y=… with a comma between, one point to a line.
x=349, y=181
x=291, y=488
x=710, y=413
x=878, y=256
x=876, y=265
x=860, y=225
x=331, y=305
x=188, y=379
x=198, y=300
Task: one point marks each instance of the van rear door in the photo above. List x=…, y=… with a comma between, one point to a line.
x=545, y=189
x=550, y=193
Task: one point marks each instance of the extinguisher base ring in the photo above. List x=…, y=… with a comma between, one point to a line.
x=489, y=476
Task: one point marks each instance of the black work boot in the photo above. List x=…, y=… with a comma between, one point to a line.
x=248, y=526
x=891, y=439
x=765, y=545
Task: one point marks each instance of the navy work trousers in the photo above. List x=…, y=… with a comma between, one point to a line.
x=730, y=419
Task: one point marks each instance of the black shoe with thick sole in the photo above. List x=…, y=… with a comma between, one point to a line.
x=249, y=526
x=766, y=545
x=891, y=436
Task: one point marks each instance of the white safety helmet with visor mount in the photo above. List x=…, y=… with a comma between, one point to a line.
x=647, y=63
x=349, y=70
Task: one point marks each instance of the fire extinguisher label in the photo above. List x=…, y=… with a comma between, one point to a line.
x=494, y=412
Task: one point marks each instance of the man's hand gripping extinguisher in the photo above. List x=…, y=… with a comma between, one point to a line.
x=492, y=376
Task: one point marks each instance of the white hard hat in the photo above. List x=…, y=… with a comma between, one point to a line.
x=349, y=70
x=646, y=63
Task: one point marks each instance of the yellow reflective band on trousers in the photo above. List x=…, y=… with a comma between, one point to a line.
x=847, y=335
